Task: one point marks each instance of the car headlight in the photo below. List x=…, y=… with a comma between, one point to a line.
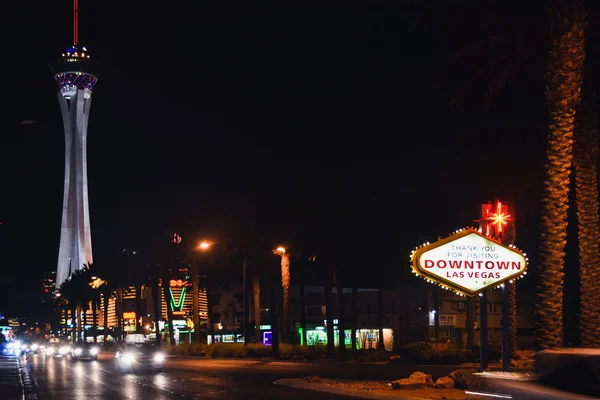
x=64, y=349
x=78, y=352
x=94, y=350
x=158, y=357
x=50, y=350
x=34, y=347
x=128, y=358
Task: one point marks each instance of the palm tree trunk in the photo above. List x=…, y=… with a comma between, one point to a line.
x=95, y=320
x=511, y=238
x=303, y=313
x=209, y=319
x=354, y=317
x=105, y=299
x=339, y=297
x=196, y=300
x=75, y=324
x=256, y=302
x=119, y=313
x=564, y=76
x=156, y=307
x=138, y=308
x=586, y=196
x=380, y=344
x=84, y=324
x=329, y=314
x=167, y=296
x=285, y=285
x=274, y=319
x=79, y=321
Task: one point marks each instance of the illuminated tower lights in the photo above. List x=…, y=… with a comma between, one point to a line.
x=76, y=74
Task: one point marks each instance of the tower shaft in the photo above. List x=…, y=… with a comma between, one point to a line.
x=75, y=234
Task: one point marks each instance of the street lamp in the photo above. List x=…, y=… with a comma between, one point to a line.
x=285, y=284
x=203, y=247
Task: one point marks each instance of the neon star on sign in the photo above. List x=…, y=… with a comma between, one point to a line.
x=468, y=262
x=500, y=217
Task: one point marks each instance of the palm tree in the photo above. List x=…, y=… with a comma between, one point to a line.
x=564, y=77
x=511, y=287
x=354, y=316
x=256, y=302
x=518, y=53
x=585, y=161
x=380, y=345
x=329, y=313
x=285, y=285
x=339, y=297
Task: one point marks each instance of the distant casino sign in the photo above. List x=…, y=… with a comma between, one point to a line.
x=468, y=262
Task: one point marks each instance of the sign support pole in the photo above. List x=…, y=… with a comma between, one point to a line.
x=505, y=328
x=483, y=329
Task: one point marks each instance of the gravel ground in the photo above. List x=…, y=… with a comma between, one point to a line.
x=386, y=387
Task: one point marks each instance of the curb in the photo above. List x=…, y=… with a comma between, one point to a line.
x=360, y=394
x=28, y=387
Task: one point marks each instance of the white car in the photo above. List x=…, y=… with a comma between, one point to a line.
x=57, y=350
x=133, y=357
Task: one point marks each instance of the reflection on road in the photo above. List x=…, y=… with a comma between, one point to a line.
x=68, y=380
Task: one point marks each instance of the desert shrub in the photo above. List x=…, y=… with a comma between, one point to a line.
x=197, y=349
x=225, y=350
x=417, y=353
x=258, y=350
x=377, y=356
x=454, y=357
x=494, y=354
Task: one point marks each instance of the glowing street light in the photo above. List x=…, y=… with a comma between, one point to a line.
x=204, y=246
x=279, y=251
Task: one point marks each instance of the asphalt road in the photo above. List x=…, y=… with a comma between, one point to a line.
x=182, y=379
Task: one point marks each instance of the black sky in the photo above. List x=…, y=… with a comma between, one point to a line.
x=276, y=120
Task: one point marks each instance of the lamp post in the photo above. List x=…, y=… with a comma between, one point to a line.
x=285, y=284
x=202, y=247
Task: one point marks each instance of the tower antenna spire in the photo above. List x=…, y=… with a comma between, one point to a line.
x=75, y=22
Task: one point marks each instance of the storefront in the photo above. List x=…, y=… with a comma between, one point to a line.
x=365, y=338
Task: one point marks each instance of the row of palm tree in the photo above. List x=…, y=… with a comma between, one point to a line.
x=94, y=285
x=552, y=51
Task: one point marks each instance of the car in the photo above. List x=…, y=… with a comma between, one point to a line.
x=57, y=350
x=134, y=357
x=84, y=350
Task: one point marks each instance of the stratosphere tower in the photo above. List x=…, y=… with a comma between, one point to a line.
x=76, y=74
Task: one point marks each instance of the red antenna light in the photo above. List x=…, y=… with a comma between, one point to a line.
x=75, y=22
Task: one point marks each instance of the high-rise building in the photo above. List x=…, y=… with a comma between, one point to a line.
x=76, y=74
x=48, y=287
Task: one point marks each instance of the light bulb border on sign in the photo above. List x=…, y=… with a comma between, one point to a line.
x=451, y=286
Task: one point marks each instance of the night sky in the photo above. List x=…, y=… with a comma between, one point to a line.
x=293, y=123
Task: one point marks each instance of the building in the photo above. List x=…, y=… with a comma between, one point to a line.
x=407, y=315
x=123, y=311
x=451, y=314
x=48, y=287
x=76, y=74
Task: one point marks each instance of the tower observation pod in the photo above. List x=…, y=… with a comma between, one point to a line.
x=76, y=74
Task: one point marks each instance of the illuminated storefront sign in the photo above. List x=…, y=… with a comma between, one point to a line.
x=468, y=262
x=129, y=315
x=265, y=327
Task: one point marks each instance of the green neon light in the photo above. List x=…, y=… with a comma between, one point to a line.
x=179, y=305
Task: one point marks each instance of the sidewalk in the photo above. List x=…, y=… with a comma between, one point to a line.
x=10, y=378
x=15, y=381
x=381, y=393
